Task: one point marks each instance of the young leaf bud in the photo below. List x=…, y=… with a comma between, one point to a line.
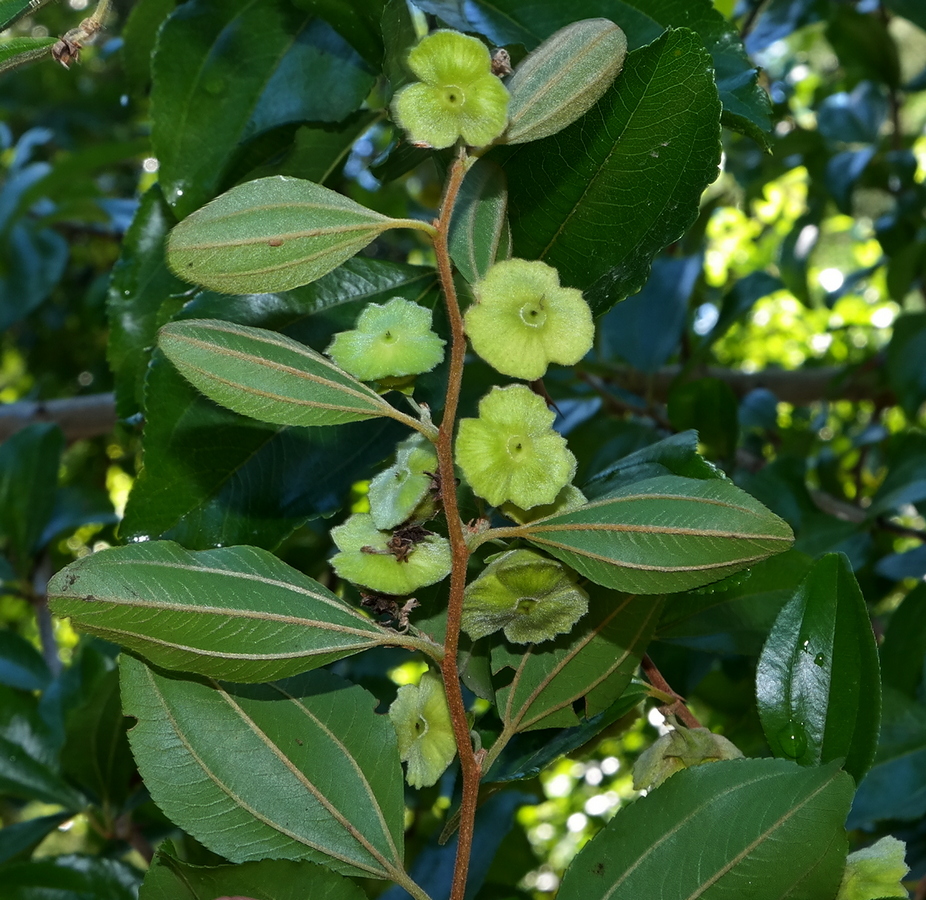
x=875, y=872
x=401, y=492
x=680, y=749
x=533, y=598
x=389, y=563
x=456, y=94
x=510, y=453
x=393, y=339
x=523, y=320
x=421, y=719
x=564, y=78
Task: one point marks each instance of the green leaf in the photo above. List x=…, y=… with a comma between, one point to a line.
x=300, y=769
x=21, y=665
x=141, y=285
x=17, y=51
x=212, y=477
x=235, y=612
x=642, y=158
x=70, y=876
x=746, y=105
x=399, y=36
x=11, y=10
x=762, y=826
x=357, y=21
x=23, y=837
x=170, y=878
x=139, y=34
x=595, y=662
x=905, y=371
x=479, y=228
x=818, y=684
x=710, y=406
x=662, y=535
x=268, y=376
x=29, y=462
x=231, y=69
x=903, y=651
x=271, y=234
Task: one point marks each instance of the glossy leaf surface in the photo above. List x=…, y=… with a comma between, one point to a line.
x=236, y=68
x=818, y=684
x=601, y=198
x=663, y=534
x=267, y=376
x=595, y=662
x=479, y=228
x=170, y=878
x=71, y=876
x=235, y=612
x=299, y=769
x=271, y=234
x=713, y=829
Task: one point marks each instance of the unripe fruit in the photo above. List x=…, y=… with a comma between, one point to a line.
x=401, y=492
x=875, y=872
x=389, y=563
x=456, y=94
x=533, y=598
x=421, y=719
x=523, y=320
x=568, y=499
x=391, y=340
x=510, y=453
x=680, y=749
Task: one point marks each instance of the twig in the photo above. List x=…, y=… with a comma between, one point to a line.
x=78, y=417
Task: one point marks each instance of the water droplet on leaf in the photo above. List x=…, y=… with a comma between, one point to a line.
x=793, y=740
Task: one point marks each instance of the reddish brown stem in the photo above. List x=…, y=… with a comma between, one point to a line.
x=469, y=764
x=677, y=708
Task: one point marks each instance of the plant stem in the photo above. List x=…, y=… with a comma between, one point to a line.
x=677, y=707
x=469, y=765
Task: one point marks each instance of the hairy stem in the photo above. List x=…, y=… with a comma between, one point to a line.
x=677, y=707
x=469, y=764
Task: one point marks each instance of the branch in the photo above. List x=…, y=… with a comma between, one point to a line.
x=79, y=418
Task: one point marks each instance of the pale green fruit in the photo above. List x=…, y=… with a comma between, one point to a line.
x=385, y=562
x=421, y=719
x=456, y=94
x=510, y=453
x=401, y=492
x=568, y=499
x=875, y=872
x=391, y=340
x=523, y=320
x=680, y=749
x=533, y=598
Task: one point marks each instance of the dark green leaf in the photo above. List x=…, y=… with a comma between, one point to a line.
x=734, y=616
x=746, y=105
x=527, y=754
x=903, y=651
x=895, y=787
x=23, y=837
x=399, y=36
x=905, y=353
x=357, y=21
x=652, y=143
x=272, y=234
x=234, y=68
x=70, y=877
x=818, y=684
x=140, y=287
x=595, y=661
x=96, y=752
x=909, y=9
x=646, y=328
x=32, y=262
x=268, y=376
x=662, y=535
x=480, y=221
x=170, y=878
x=708, y=405
x=139, y=34
x=235, y=612
x=717, y=830
x=21, y=665
x=29, y=462
x=11, y=10
x=674, y=455
x=16, y=51
x=301, y=769
x=212, y=477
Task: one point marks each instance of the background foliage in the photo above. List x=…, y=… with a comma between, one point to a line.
x=787, y=326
